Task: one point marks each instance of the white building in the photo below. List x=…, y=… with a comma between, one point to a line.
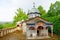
x=35, y=26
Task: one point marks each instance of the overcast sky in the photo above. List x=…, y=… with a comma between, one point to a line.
x=8, y=7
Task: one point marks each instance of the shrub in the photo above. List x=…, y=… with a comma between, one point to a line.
x=1, y=26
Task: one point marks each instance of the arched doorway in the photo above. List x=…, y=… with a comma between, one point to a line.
x=31, y=31
x=38, y=30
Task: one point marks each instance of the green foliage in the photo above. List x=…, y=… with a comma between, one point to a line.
x=54, y=15
x=8, y=25
x=54, y=9
x=57, y=25
x=41, y=10
x=20, y=15
x=1, y=26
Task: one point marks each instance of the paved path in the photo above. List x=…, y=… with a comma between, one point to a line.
x=17, y=35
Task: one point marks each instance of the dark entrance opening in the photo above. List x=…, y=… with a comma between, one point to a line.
x=38, y=30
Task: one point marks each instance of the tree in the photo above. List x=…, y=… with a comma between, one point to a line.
x=53, y=16
x=54, y=9
x=20, y=15
x=41, y=10
x=57, y=25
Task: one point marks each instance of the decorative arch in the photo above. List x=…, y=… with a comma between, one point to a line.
x=39, y=27
x=31, y=28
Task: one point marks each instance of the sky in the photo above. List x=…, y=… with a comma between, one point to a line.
x=9, y=7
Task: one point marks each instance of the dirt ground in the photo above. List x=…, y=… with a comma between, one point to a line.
x=17, y=35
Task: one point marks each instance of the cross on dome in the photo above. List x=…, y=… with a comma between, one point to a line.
x=34, y=4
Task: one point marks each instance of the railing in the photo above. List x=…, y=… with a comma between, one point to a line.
x=7, y=31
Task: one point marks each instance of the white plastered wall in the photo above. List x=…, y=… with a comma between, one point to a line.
x=24, y=27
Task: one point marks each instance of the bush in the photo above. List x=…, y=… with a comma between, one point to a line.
x=1, y=26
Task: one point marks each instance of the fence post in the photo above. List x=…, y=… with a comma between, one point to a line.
x=1, y=33
x=4, y=32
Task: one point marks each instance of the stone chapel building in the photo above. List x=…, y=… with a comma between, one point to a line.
x=35, y=26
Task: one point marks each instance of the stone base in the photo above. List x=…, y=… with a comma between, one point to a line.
x=40, y=37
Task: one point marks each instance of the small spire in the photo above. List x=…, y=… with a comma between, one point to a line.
x=33, y=4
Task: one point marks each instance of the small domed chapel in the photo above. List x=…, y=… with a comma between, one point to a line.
x=35, y=26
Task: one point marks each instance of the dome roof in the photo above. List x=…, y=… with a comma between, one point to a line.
x=34, y=10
